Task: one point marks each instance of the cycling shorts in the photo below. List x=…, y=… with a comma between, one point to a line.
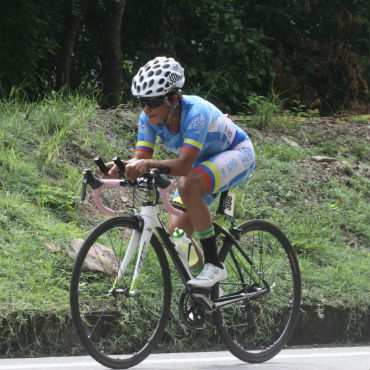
x=225, y=170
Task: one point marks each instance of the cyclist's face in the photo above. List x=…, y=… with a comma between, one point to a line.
x=156, y=115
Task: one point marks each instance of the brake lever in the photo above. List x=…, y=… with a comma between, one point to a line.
x=121, y=166
x=100, y=163
x=162, y=182
x=83, y=190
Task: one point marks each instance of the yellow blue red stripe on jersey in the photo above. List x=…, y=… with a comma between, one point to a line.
x=192, y=145
x=212, y=175
x=145, y=146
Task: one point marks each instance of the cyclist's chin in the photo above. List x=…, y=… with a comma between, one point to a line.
x=155, y=119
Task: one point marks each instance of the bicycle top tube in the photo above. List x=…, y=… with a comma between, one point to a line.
x=98, y=184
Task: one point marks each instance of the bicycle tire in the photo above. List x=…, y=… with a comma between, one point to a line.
x=255, y=330
x=119, y=330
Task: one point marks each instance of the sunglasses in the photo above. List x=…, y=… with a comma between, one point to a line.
x=152, y=102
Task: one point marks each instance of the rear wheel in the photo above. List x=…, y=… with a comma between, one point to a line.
x=119, y=328
x=256, y=329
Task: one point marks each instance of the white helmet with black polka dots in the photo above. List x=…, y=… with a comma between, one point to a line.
x=158, y=77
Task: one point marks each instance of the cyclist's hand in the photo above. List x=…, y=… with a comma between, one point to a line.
x=113, y=171
x=136, y=168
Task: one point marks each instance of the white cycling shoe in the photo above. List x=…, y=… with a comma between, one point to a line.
x=209, y=276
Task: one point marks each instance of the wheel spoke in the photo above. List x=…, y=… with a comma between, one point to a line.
x=256, y=329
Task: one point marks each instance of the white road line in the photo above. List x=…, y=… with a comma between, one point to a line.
x=175, y=360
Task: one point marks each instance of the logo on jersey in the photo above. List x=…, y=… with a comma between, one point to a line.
x=226, y=126
x=198, y=122
x=143, y=127
x=229, y=133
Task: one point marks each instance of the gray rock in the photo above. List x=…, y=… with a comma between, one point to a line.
x=100, y=258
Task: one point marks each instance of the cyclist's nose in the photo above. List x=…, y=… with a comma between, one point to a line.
x=147, y=109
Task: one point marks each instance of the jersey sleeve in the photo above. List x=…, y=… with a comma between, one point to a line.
x=146, y=136
x=196, y=131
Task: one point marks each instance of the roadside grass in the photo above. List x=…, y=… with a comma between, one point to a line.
x=44, y=146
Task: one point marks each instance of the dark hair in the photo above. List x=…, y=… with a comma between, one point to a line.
x=176, y=92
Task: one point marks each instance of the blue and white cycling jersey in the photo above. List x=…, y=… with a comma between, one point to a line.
x=204, y=129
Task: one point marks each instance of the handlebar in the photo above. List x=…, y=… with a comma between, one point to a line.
x=153, y=179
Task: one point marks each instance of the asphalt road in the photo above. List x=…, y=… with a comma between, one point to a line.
x=336, y=358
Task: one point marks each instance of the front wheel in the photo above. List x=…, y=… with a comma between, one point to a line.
x=256, y=329
x=118, y=325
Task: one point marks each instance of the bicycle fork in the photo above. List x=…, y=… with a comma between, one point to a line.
x=139, y=240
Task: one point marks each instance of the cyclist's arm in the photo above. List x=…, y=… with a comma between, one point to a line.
x=194, y=137
x=179, y=166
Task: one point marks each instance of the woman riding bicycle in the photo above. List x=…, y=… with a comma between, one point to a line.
x=213, y=153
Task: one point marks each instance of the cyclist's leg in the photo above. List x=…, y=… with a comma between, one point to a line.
x=221, y=172
x=183, y=222
x=218, y=173
x=192, y=188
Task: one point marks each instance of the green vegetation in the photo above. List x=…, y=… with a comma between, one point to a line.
x=313, y=51
x=322, y=206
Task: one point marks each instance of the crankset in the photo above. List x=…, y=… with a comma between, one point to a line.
x=191, y=313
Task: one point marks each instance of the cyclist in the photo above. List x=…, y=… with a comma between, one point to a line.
x=213, y=154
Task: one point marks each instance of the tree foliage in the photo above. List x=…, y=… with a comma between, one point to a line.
x=310, y=50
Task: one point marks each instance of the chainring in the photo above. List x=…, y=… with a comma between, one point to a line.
x=191, y=314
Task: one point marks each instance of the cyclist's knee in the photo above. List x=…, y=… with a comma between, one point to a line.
x=192, y=185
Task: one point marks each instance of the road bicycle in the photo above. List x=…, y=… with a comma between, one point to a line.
x=120, y=310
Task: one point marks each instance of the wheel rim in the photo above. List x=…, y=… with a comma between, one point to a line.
x=113, y=324
x=263, y=324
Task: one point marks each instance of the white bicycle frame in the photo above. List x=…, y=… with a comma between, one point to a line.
x=152, y=220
